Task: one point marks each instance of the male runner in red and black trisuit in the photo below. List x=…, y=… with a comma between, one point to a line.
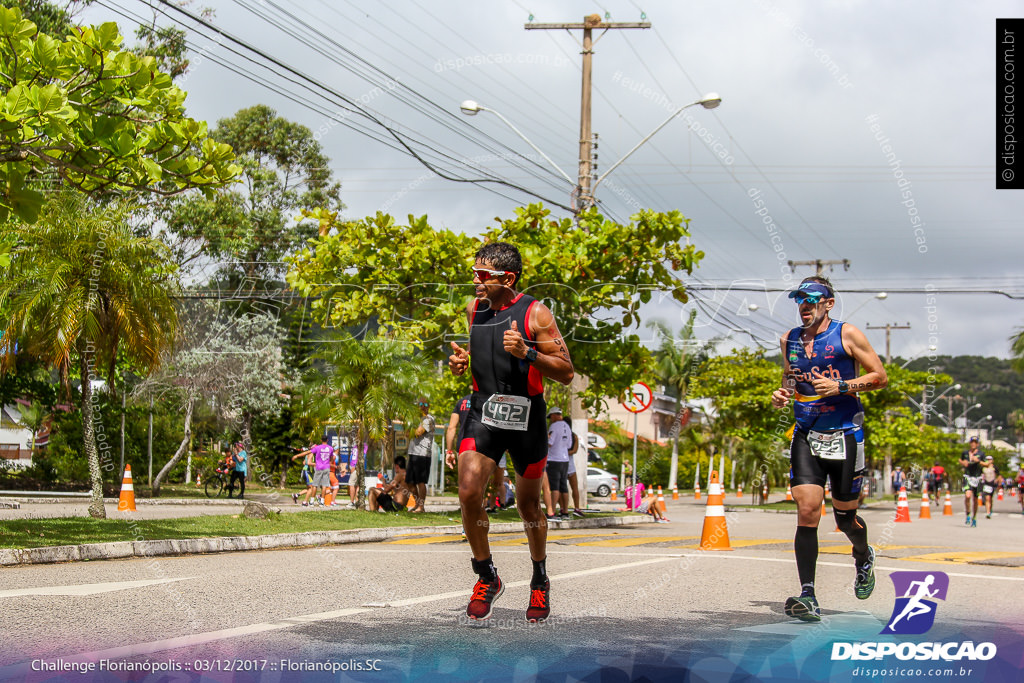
x=513, y=343
x=825, y=364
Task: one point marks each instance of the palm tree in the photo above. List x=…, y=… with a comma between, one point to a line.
x=83, y=287
x=677, y=361
x=33, y=417
x=369, y=384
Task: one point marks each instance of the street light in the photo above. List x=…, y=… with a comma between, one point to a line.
x=963, y=416
x=923, y=405
x=931, y=348
x=881, y=296
x=472, y=108
x=709, y=101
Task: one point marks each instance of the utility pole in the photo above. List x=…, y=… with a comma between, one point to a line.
x=586, y=136
x=819, y=264
x=888, y=327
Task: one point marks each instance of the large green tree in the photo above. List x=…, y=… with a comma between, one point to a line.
x=100, y=118
x=415, y=280
x=82, y=289
x=253, y=228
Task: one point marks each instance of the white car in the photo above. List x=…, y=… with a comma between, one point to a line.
x=600, y=482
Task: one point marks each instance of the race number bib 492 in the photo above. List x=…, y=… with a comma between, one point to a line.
x=827, y=445
x=503, y=411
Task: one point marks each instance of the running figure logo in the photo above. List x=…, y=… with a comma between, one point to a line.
x=914, y=612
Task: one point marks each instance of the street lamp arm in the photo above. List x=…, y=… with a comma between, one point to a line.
x=469, y=107
x=709, y=101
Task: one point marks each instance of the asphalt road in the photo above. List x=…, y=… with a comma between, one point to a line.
x=630, y=603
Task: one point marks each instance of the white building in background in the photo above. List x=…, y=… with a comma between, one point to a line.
x=15, y=439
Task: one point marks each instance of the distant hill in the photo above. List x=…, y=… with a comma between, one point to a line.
x=989, y=381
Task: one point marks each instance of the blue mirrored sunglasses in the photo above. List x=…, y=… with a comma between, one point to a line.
x=812, y=298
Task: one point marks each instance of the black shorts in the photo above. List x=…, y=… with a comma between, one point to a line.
x=527, y=449
x=845, y=475
x=995, y=488
x=558, y=476
x=386, y=502
x=418, y=470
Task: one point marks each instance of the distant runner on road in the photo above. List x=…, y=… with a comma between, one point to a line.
x=821, y=373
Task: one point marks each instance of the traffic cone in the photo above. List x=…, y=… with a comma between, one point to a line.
x=947, y=510
x=199, y=480
x=926, y=505
x=1013, y=493
x=828, y=491
x=328, y=497
x=739, y=491
x=1000, y=496
x=715, y=534
x=696, y=491
x=615, y=494
x=661, y=499
x=764, y=491
x=824, y=510
x=675, y=492
x=789, y=492
x=902, y=507
x=127, y=499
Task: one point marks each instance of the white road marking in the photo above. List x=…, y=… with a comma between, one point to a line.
x=140, y=649
x=86, y=588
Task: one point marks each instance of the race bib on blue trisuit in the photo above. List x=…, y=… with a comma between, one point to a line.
x=827, y=445
x=503, y=411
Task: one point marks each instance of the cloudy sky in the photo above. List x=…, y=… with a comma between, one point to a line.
x=847, y=130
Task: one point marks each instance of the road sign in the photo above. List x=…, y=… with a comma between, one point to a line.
x=638, y=398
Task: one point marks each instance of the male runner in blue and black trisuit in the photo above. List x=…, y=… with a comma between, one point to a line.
x=513, y=343
x=822, y=365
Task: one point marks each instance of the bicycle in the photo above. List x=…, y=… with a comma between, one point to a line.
x=215, y=483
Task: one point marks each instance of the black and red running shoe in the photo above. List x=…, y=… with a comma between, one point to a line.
x=484, y=595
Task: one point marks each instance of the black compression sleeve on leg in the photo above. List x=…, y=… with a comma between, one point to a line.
x=806, y=546
x=485, y=569
x=851, y=524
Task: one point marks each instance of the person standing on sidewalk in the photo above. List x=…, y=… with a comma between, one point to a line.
x=514, y=343
x=825, y=364
x=421, y=443
x=240, y=459
x=559, y=442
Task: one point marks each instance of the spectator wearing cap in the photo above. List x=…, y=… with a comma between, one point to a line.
x=559, y=443
x=420, y=444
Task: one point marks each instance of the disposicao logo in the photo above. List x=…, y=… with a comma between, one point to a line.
x=914, y=612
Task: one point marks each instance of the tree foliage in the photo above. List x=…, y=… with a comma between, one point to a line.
x=415, y=280
x=99, y=117
x=253, y=228
x=82, y=286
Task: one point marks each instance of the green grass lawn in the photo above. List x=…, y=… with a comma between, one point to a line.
x=35, y=533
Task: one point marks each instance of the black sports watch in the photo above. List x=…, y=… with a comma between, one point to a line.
x=843, y=386
x=531, y=355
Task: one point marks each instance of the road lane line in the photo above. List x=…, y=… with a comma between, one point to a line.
x=140, y=649
x=86, y=588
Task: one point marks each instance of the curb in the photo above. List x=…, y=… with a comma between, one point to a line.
x=226, y=544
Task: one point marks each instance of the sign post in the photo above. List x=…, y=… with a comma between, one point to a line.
x=638, y=399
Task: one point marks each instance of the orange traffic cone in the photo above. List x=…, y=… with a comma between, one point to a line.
x=615, y=494
x=902, y=507
x=926, y=505
x=824, y=510
x=739, y=491
x=789, y=492
x=199, y=480
x=947, y=510
x=675, y=492
x=661, y=499
x=1000, y=496
x=764, y=491
x=828, y=491
x=696, y=491
x=127, y=499
x=715, y=534
x=1013, y=493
